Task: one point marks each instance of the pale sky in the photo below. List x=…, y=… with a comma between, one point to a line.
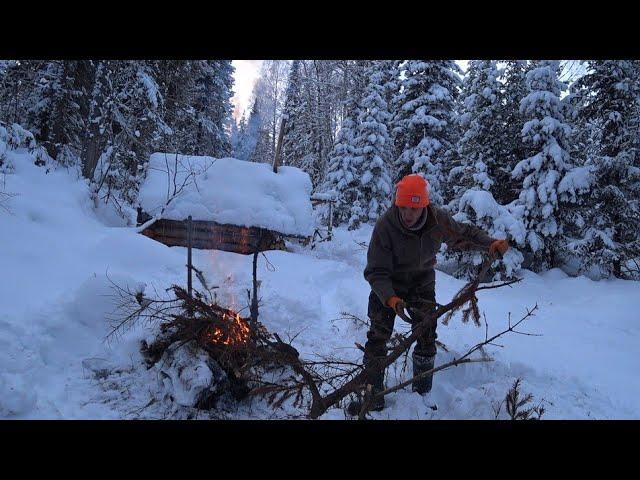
x=246, y=74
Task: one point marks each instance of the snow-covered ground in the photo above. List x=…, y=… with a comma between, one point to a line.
x=58, y=258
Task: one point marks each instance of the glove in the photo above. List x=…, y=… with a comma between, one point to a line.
x=397, y=304
x=498, y=247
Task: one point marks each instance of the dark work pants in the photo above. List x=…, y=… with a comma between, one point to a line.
x=382, y=319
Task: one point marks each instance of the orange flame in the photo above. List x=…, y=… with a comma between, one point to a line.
x=238, y=332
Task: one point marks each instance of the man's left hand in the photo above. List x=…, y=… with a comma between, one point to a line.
x=498, y=247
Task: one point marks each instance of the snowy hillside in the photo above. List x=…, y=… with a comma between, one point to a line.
x=59, y=258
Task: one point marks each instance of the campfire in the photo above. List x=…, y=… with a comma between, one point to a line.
x=204, y=351
x=236, y=331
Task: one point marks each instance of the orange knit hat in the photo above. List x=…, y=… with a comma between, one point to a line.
x=412, y=192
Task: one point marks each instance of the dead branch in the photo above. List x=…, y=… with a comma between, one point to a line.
x=468, y=292
x=442, y=345
x=134, y=307
x=345, y=381
x=357, y=321
x=360, y=379
x=464, y=358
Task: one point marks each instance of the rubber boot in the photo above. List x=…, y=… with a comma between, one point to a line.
x=422, y=364
x=377, y=385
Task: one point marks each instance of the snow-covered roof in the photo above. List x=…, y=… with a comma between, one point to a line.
x=229, y=191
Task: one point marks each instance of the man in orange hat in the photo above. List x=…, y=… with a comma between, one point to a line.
x=400, y=268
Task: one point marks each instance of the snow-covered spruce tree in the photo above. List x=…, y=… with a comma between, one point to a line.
x=262, y=151
x=322, y=91
x=392, y=73
x=575, y=186
x=295, y=136
x=423, y=125
x=15, y=138
x=582, y=138
x=610, y=232
x=53, y=103
x=131, y=106
x=478, y=148
x=342, y=176
x=546, y=136
x=97, y=133
x=242, y=144
x=499, y=221
x=472, y=181
x=249, y=133
x=372, y=148
x=299, y=138
x=319, y=101
x=196, y=105
x=506, y=189
x=212, y=91
x=176, y=83
x=329, y=89
x=17, y=87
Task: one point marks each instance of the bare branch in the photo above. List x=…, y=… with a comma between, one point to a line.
x=175, y=187
x=360, y=379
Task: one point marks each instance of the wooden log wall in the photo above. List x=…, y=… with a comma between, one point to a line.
x=214, y=236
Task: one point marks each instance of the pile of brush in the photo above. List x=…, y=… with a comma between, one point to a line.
x=204, y=351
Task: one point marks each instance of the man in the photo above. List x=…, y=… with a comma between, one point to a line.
x=400, y=268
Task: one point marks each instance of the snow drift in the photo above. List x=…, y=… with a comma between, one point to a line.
x=228, y=191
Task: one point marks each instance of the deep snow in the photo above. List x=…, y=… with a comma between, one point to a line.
x=230, y=191
x=58, y=258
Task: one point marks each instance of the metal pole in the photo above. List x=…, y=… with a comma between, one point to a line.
x=189, y=230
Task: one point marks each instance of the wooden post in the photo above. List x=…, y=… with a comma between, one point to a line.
x=254, y=298
x=189, y=235
x=276, y=160
x=330, y=219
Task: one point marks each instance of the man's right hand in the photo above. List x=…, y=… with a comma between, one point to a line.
x=398, y=305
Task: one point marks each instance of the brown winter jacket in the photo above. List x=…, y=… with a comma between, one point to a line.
x=400, y=259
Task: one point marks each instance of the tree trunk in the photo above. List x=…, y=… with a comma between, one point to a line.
x=91, y=139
